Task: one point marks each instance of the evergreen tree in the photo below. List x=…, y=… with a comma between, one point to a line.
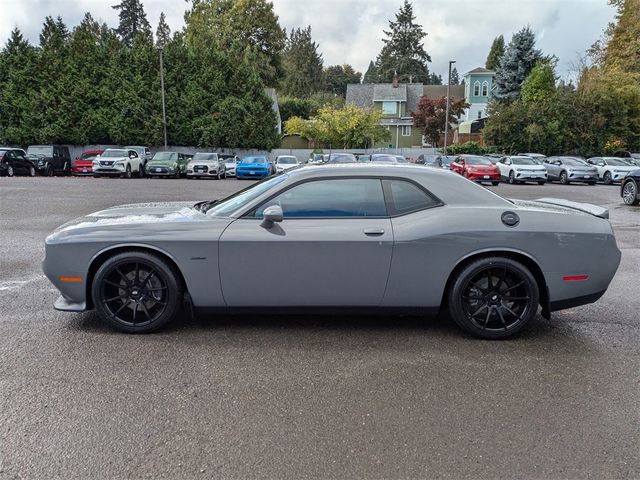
x=516, y=64
x=495, y=54
x=623, y=49
x=163, y=32
x=234, y=25
x=455, y=78
x=541, y=82
x=133, y=20
x=403, y=52
x=337, y=77
x=54, y=83
x=302, y=64
x=18, y=91
x=433, y=79
x=371, y=75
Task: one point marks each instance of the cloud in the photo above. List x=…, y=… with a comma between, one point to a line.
x=350, y=31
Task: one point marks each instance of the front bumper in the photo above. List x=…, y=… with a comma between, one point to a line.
x=160, y=171
x=583, y=177
x=252, y=173
x=483, y=177
x=109, y=170
x=531, y=177
x=82, y=169
x=65, y=305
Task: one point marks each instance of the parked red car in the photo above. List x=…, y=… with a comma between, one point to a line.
x=476, y=168
x=84, y=164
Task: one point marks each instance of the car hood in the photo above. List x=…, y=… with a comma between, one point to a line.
x=161, y=163
x=111, y=159
x=134, y=214
x=629, y=168
x=253, y=165
x=530, y=167
x=581, y=168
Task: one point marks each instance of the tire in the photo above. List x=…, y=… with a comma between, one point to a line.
x=512, y=178
x=95, y=175
x=127, y=172
x=32, y=171
x=564, y=179
x=630, y=193
x=10, y=172
x=141, y=170
x=592, y=183
x=493, y=298
x=137, y=292
x=177, y=174
x=608, y=180
x=495, y=183
x=49, y=171
x=541, y=183
x=218, y=175
x=66, y=169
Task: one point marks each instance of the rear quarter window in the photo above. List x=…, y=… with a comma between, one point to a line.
x=406, y=197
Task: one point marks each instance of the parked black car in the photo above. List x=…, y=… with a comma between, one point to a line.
x=13, y=161
x=630, y=188
x=50, y=160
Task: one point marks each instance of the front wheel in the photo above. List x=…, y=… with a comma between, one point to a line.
x=32, y=172
x=49, y=171
x=493, y=298
x=495, y=183
x=512, y=178
x=564, y=179
x=540, y=183
x=127, y=172
x=630, y=193
x=607, y=178
x=10, y=171
x=141, y=170
x=137, y=292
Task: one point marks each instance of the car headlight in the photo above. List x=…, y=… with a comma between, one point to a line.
x=119, y=163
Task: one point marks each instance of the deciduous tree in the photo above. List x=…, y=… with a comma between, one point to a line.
x=431, y=114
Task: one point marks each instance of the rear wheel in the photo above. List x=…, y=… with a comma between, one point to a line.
x=493, y=298
x=495, y=183
x=540, y=183
x=137, y=292
x=127, y=172
x=608, y=180
x=10, y=171
x=141, y=170
x=49, y=171
x=630, y=193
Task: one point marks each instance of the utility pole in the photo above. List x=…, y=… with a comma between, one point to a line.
x=446, y=117
x=164, y=110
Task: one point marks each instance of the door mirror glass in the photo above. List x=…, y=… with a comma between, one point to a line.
x=271, y=215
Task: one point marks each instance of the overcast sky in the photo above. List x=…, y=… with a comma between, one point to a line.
x=350, y=31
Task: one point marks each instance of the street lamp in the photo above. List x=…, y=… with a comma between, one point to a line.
x=164, y=110
x=446, y=117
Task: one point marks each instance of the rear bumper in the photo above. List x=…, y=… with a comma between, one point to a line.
x=82, y=169
x=483, y=177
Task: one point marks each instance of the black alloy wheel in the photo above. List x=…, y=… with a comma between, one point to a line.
x=494, y=298
x=630, y=193
x=137, y=292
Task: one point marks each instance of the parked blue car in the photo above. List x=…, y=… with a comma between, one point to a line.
x=254, y=167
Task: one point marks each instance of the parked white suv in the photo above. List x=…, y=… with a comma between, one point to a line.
x=118, y=162
x=143, y=152
x=205, y=164
x=611, y=169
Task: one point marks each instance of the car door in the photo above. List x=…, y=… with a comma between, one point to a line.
x=553, y=167
x=600, y=164
x=134, y=161
x=333, y=248
x=20, y=161
x=503, y=167
x=457, y=165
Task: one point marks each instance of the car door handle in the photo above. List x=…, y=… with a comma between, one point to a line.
x=373, y=231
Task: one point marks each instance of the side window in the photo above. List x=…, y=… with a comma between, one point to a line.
x=406, y=197
x=65, y=153
x=350, y=197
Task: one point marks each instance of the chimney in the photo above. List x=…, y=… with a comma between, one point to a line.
x=395, y=80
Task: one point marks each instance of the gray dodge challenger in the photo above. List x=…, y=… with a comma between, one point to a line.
x=355, y=236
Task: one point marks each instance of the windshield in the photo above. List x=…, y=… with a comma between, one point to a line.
x=446, y=160
x=114, y=153
x=576, y=162
x=385, y=158
x=636, y=156
x=165, y=156
x=523, y=161
x=287, y=160
x=205, y=156
x=401, y=159
x=226, y=207
x=342, y=158
x=230, y=161
x=478, y=161
x=258, y=160
x=88, y=156
x=39, y=150
x=616, y=162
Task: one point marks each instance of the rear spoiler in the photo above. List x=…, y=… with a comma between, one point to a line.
x=583, y=207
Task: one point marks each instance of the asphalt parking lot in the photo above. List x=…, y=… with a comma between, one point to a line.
x=306, y=397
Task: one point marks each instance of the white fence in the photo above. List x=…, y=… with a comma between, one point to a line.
x=76, y=150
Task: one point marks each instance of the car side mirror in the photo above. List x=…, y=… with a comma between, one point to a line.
x=271, y=215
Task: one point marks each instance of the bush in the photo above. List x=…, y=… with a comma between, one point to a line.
x=472, y=148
